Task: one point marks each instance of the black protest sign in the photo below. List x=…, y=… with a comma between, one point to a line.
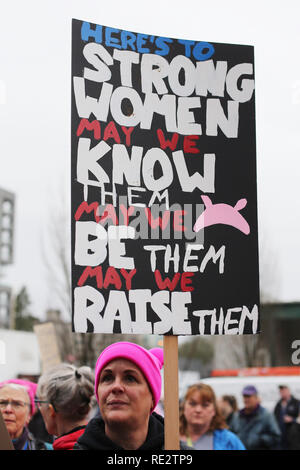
x=164, y=216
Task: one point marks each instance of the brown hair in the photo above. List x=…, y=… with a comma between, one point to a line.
x=232, y=401
x=206, y=395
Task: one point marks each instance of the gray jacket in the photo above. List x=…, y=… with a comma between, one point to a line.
x=258, y=431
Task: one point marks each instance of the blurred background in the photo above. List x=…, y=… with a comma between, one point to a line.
x=35, y=101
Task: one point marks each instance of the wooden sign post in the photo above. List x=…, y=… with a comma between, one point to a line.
x=171, y=400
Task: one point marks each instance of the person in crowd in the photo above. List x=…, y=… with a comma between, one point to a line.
x=36, y=425
x=128, y=389
x=286, y=412
x=228, y=407
x=17, y=406
x=65, y=400
x=30, y=388
x=255, y=426
x=294, y=434
x=201, y=423
x=38, y=429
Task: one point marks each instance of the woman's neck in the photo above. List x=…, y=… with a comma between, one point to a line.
x=63, y=427
x=196, y=431
x=128, y=439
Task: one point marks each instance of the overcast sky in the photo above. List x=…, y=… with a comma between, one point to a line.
x=35, y=92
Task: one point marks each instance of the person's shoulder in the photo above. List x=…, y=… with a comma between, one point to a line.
x=263, y=411
x=223, y=433
x=157, y=417
x=295, y=400
x=93, y=436
x=277, y=404
x=236, y=418
x=266, y=415
x=38, y=444
x=228, y=440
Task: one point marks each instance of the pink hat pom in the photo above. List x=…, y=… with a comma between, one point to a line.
x=159, y=354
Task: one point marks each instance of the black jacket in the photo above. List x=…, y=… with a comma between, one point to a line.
x=292, y=409
x=290, y=431
x=94, y=437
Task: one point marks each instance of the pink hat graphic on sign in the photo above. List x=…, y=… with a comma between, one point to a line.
x=222, y=214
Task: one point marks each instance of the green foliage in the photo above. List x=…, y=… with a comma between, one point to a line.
x=197, y=348
x=23, y=319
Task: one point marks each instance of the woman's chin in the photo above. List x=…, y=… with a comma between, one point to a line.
x=11, y=429
x=117, y=417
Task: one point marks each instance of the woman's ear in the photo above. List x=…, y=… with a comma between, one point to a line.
x=52, y=410
x=28, y=419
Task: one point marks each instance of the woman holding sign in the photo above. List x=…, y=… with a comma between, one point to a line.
x=128, y=388
x=202, y=426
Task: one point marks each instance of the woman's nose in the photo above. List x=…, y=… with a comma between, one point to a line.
x=198, y=407
x=117, y=385
x=8, y=407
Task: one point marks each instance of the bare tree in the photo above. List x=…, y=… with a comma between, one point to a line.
x=56, y=252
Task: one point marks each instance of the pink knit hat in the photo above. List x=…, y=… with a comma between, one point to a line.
x=30, y=387
x=149, y=362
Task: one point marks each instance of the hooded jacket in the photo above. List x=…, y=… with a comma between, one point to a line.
x=94, y=437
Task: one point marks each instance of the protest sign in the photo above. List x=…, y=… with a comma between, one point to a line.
x=163, y=178
x=164, y=216
x=48, y=345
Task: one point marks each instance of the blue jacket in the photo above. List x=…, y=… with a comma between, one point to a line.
x=226, y=440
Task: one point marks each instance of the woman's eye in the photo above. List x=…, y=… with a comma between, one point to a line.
x=106, y=378
x=130, y=378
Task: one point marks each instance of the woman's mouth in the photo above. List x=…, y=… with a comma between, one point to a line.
x=116, y=403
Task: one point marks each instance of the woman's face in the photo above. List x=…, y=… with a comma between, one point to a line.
x=224, y=407
x=16, y=413
x=124, y=396
x=197, y=411
x=48, y=415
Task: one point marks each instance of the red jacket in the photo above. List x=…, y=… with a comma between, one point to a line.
x=67, y=441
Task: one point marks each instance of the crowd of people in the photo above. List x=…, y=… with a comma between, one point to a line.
x=118, y=407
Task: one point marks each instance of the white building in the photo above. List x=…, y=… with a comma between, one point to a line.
x=19, y=354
